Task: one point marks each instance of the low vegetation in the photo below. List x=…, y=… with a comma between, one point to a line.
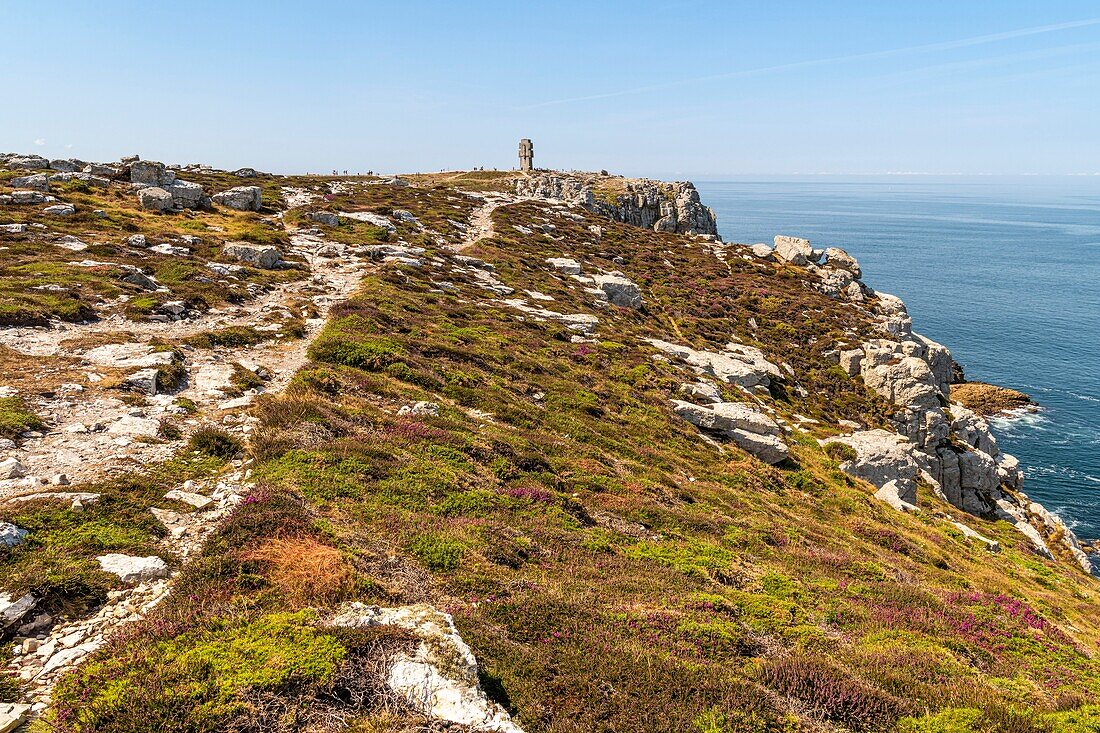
x=610, y=570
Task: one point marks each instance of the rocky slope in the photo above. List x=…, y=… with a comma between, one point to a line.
x=497, y=454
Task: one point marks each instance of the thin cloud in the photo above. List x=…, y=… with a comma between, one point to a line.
x=40, y=141
x=940, y=46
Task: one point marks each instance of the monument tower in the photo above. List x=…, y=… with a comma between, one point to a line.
x=526, y=155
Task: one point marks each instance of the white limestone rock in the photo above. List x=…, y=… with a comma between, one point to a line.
x=262, y=256
x=883, y=457
x=13, y=715
x=10, y=535
x=751, y=430
x=737, y=364
x=132, y=569
x=373, y=219
x=241, y=198
x=35, y=182
x=60, y=210
x=837, y=258
x=155, y=199
x=439, y=678
x=430, y=409
x=619, y=290
x=564, y=265
x=11, y=468
x=794, y=250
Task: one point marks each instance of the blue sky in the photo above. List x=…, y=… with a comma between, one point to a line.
x=643, y=88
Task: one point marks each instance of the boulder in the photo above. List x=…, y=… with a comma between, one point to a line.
x=794, y=250
x=762, y=251
x=65, y=166
x=28, y=162
x=619, y=290
x=132, y=569
x=883, y=457
x=439, y=678
x=186, y=195
x=564, y=265
x=60, y=210
x=149, y=173
x=10, y=535
x=258, y=255
x=241, y=198
x=106, y=171
x=12, y=468
x=841, y=260
x=155, y=199
x=744, y=366
x=703, y=392
x=327, y=218
x=24, y=196
x=751, y=430
x=36, y=182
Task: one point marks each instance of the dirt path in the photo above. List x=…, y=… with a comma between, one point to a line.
x=481, y=220
x=125, y=443
x=94, y=431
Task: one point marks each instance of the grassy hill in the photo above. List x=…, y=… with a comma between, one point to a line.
x=610, y=567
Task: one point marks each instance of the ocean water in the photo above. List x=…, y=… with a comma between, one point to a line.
x=1003, y=271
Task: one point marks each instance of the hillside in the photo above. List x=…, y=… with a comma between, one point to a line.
x=293, y=457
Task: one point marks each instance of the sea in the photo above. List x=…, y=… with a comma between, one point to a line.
x=1005, y=272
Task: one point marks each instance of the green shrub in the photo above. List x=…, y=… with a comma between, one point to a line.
x=214, y=442
x=15, y=418
x=436, y=552
x=840, y=452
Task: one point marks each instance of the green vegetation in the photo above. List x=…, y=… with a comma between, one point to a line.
x=610, y=570
x=15, y=418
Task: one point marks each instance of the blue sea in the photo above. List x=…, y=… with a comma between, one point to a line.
x=1003, y=271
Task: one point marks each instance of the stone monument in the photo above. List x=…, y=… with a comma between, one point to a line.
x=526, y=155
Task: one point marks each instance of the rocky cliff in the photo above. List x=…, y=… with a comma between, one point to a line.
x=433, y=453
x=664, y=207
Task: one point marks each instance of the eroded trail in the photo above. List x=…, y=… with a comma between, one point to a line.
x=95, y=431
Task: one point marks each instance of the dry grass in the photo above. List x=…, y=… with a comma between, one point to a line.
x=305, y=570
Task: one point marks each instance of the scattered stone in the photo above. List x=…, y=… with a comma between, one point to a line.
x=420, y=408
x=196, y=500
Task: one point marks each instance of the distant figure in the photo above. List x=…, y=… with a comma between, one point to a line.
x=526, y=155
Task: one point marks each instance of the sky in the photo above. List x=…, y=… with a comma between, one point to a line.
x=663, y=89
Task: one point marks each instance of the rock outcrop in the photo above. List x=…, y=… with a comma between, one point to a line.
x=665, y=207
x=748, y=428
x=439, y=678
